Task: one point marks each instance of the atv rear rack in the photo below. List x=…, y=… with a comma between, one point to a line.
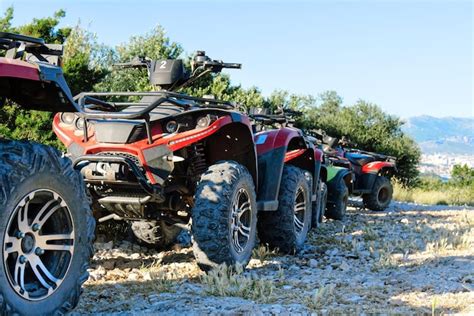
x=88, y=103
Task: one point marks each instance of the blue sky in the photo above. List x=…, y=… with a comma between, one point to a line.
x=409, y=57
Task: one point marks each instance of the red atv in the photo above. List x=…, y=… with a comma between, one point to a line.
x=169, y=160
x=46, y=224
x=277, y=124
x=371, y=171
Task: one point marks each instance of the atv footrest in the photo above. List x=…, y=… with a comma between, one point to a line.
x=124, y=200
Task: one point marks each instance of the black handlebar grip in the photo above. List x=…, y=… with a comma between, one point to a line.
x=232, y=65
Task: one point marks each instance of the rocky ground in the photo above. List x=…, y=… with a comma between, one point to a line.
x=409, y=259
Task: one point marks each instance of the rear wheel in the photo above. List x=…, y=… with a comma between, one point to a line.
x=46, y=229
x=381, y=195
x=287, y=227
x=337, y=209
x=224, y=216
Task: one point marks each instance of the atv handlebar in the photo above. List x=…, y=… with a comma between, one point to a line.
x=137, y=62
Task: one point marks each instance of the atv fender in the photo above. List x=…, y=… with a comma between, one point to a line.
x=334, y=176
x=377, y=166
x=370, y=171
x=35, y=86
x=234, y=141
x=274, y=149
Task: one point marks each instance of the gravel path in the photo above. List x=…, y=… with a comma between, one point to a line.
x=408, y=259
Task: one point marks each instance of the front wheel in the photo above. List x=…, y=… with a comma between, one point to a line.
x=336, y=209
x=286, y=228
x=381, y=195
x=224, y=216
x=46, y=230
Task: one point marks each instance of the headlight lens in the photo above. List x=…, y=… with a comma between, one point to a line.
x=171, y=127
x=203, y=121
x=80, y=123
x=67, y=118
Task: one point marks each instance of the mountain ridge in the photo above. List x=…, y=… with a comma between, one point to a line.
x=442, y=134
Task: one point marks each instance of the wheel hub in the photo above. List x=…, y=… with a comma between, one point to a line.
x=28, y=243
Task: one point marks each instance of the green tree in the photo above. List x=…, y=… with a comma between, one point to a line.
x=83, y=60
x=462, y=175
x=6, y=20
x=154, y=45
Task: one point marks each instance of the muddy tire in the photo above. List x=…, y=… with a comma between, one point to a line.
x=46, y=230
x=319, y=206
x=286, y=228
x=224, y=216
x=337, y=209
x=381, y=195
x=153, y=235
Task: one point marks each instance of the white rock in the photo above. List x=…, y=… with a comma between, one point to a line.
x=313, y=263
x=135, y=256
x=344, y=266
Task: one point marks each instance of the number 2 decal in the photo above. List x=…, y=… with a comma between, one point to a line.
x=163, y=64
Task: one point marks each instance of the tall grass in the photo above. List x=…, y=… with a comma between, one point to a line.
x=445, y=195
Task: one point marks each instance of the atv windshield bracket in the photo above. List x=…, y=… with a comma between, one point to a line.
x=148, y=129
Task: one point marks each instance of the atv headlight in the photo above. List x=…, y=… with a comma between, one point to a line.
x=171, y=127
x=80, y=123
x=203, y=121
x=67, y=118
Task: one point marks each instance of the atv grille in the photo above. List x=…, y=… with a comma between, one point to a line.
x=121, y=154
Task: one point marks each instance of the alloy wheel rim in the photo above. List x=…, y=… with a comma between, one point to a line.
x=38, y=244
x=241, y=220
x=299, y=211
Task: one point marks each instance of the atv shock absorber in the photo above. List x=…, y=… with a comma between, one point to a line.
x=197, y=161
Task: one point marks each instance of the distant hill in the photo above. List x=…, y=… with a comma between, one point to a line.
x=442, y=135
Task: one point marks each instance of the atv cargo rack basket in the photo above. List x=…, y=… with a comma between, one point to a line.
x=91, y=107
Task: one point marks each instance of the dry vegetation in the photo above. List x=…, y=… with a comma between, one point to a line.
x=412, y=259
x=453, y=196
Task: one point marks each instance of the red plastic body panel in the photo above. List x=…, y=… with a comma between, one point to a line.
x=272, y=139
x=67, y=135
x=318, y=154
x=376, y=166
x=18, y=69
x=292, y=154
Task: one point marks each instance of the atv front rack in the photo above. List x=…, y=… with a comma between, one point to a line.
x=90, y=107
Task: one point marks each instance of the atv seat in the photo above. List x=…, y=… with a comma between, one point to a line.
x=359, y=159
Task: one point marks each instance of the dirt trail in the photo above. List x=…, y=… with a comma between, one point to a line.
x=409, y=259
